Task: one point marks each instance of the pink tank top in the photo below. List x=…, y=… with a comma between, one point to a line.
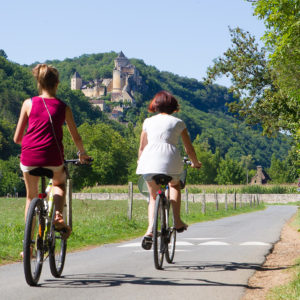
x=39, y=147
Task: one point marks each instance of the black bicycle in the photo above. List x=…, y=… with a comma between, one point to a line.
x=41, y=239
x=164, y=232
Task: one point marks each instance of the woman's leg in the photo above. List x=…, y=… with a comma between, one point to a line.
x=175, y=197
x=32, y=189
x=153, y=189
x=59, y=186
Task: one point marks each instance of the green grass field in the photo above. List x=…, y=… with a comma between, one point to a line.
x=96, y=222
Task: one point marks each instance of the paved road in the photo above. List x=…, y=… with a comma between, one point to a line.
x=214, y=260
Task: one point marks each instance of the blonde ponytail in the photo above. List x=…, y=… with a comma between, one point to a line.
x=47, y=78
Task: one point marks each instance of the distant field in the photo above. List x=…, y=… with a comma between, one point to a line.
x=95, y=222
x=195, y=189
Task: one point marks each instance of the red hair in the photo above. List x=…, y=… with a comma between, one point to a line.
x=163, y=102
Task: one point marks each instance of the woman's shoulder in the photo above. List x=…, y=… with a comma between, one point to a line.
x=175, y=119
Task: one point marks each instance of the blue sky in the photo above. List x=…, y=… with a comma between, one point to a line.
x=182, y=37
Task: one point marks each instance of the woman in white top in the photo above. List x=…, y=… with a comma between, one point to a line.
x=158, y=154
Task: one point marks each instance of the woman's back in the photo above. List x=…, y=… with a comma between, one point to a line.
x=39, y=147
x=163, y=128
x=160, y=154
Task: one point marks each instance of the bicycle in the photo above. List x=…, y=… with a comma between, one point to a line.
x=164, y=231
x=41, y=239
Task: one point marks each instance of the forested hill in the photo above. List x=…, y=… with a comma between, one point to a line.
x=203, y=109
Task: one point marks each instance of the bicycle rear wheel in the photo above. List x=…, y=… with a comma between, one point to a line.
x=57, y=251
x=170, y=250
x=159, y=231
x=33, y=247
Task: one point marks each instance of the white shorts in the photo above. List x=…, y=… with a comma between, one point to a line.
x=148, y=177
x=52, y=168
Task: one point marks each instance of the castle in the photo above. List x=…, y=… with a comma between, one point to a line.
x=125, y=81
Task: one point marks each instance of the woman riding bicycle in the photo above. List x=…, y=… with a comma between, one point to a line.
x=42, y=143
x=158, y=154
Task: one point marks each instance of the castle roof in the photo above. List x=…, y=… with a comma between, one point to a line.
x=76, y=75
x=121, y=54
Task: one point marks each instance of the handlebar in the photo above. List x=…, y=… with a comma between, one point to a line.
x=77, y=161
x=187, y=161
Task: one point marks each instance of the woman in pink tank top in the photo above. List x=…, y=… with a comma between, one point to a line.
x=41, y=147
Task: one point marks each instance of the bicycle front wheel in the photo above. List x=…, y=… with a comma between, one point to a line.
x=170, y=250
x=57, y=252
x=33, y=247
x=159, y=231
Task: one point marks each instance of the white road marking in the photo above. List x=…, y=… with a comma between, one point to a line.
x=147, y=251
x=214, y=243
x=208, y=243
x=130, y=245
x=254, y=244
x=182, y=243
x=203, y=239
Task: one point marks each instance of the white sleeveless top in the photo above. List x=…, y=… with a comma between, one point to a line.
x=161, y=154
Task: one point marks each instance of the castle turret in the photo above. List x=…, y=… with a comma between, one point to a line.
x=121, y=61
x=117, y=81
x=76, y=81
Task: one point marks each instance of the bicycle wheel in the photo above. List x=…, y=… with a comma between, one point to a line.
x=57, y=251
x=33, y=248
x=159, y=226
x=170, y=250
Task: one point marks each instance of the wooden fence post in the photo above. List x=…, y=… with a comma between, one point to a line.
x=226, y=202
x=186, y=201
x=257, y=199
x=250, y=200
x=130, y=200
x=234, y=199
x=69, y=202
x=241, y=200
x=216, y=200
x=203, y=203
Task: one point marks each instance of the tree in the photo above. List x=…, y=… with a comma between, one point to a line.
x=2, y=53
x=246, y=161
x=254, y=84
x=109, y=150
x=230, y=172
x=11, y=177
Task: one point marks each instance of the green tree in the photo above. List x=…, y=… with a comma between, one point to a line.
x=230, y=172
x=11, y=177
x=109, y=150
x=2, y=53
x=210, y=163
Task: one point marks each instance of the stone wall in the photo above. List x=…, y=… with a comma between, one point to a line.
x=267, y=198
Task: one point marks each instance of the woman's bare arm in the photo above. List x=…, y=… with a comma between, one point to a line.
x=23, y=120
x=189, y=149
x=75, y=135
x=143, y=142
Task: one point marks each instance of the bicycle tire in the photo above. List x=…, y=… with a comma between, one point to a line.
x=33, y=247
x=159, y=232
x=170, y=250
x=57, y=251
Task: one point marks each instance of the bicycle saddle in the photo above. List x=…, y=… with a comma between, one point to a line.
x=41, y=172
x=162, y=178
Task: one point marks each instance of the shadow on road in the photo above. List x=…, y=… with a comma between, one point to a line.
x=102, y=280
x=219, y=266
x=110, y=280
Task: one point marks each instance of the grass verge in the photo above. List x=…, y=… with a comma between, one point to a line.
x=290, y=291
x=97, y=222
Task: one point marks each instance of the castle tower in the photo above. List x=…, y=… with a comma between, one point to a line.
x=117, y=81
x=76, y=81
x=121, y=61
